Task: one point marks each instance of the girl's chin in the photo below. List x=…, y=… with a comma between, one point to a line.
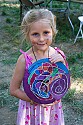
x=43, y=48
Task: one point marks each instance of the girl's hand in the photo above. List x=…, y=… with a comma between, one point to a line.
x=54, y=103
x=32, y=102
x=56, y=57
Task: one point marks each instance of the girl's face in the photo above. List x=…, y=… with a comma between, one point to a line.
x=40, y=35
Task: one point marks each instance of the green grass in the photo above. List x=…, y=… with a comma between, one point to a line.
x=7, y=100
x=75, y=61
x=69, y=97
x=9, y=61
x=75, y=57
x=76, y=71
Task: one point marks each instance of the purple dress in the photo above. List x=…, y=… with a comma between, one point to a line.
x=36, y=114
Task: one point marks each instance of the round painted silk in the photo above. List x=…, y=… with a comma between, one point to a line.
x=47, y=81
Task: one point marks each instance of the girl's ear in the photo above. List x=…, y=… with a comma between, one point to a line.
x=54, y=19
x=55, y=24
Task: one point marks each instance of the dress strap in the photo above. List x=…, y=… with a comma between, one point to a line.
x=28, y=59
x=62, y=54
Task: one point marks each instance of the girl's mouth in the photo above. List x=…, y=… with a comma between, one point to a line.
x=40, y=44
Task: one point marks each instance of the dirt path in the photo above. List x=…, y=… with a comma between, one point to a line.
x=7, y=117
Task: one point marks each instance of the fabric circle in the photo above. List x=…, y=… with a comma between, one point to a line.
x=46, y=81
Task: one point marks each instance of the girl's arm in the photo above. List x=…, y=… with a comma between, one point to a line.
x=16, y=81
x=54, y=103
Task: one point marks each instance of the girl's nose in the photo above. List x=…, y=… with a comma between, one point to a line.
x=41, y=38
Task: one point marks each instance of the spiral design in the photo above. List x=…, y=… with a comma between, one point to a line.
x=59, y=86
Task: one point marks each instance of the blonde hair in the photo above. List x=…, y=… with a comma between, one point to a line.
x=35, y=15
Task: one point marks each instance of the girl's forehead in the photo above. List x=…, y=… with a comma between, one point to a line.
x=42, y=22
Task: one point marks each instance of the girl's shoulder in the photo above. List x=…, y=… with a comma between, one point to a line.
x=26, y=58
x=29, y=53
x=24, y=54
x=60, y=52
x=52, y=49
x=21, y=61
x=56, y=50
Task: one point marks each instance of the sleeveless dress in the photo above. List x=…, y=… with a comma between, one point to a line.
x=36, y=114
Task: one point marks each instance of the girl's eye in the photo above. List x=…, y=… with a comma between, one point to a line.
x=35, y=34
x=46, y=32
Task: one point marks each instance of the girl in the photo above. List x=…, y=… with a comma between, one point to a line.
x=38, y=27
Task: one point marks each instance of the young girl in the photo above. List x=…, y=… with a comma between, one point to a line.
x=38, y=27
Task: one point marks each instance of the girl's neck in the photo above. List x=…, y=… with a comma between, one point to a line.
x=38, y=54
